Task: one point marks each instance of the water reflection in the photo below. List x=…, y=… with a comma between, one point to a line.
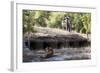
x=62, y=54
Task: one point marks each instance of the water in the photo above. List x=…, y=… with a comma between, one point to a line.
x=62, y=54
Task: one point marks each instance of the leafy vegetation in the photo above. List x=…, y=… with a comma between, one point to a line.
x=81, y=22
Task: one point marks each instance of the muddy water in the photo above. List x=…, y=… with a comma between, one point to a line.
x=62, y=54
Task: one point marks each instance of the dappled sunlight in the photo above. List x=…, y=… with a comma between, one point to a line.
x=56, y=36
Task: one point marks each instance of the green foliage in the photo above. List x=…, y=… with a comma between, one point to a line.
x=41, y=18
x=55, y=19
x=28, y=21
x=81, y=22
